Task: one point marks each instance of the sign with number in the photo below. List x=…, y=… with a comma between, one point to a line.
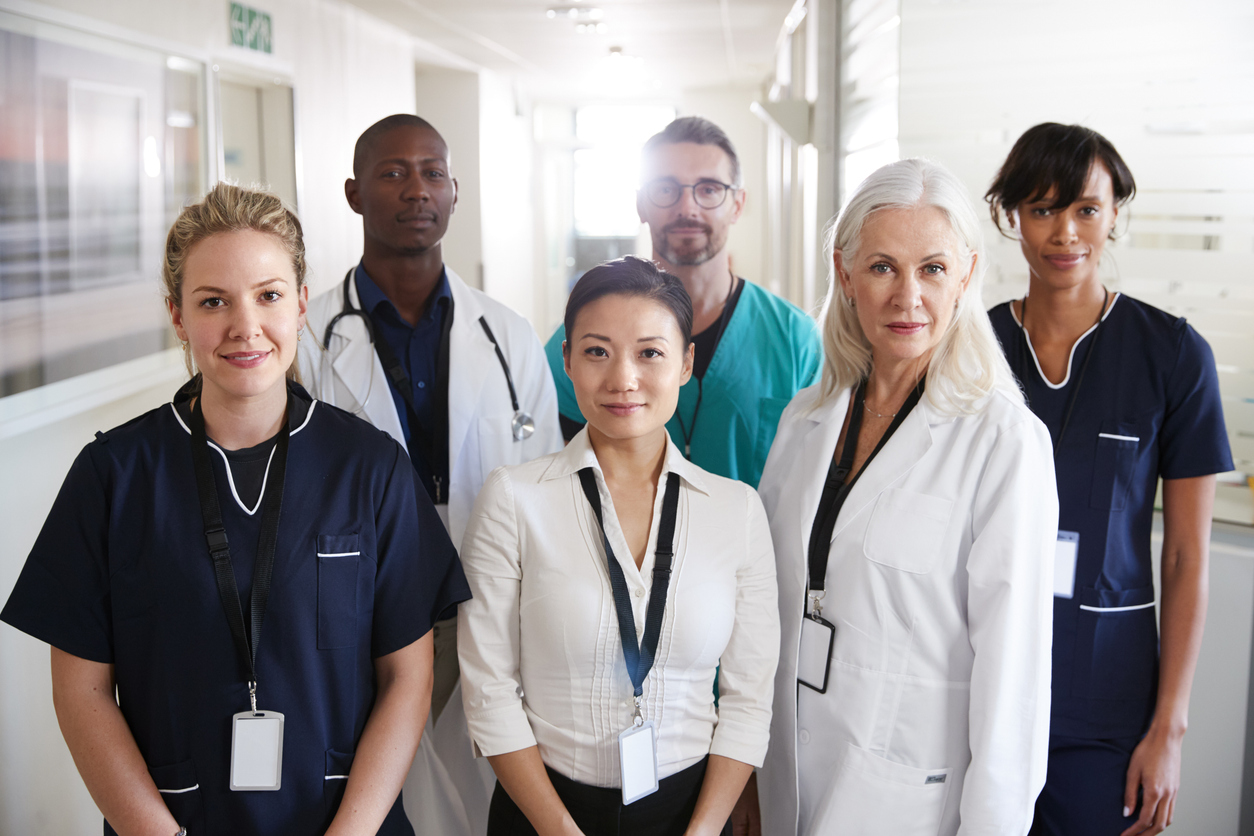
x=250, y=28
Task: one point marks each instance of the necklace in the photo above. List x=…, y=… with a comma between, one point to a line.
x=876, y=414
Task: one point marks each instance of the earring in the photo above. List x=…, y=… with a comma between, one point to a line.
x=185, y=344
x=853, y=303
x=299, y=331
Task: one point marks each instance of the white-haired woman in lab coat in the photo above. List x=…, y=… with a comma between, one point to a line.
x=912, y=505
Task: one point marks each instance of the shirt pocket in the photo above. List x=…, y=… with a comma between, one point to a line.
x=871, y=794
x=181, y=793
x=1116, y=650
x=907, y=530
x=1114, y=462
x=339, y=557
x=335, y=780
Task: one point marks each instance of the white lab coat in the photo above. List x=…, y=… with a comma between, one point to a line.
x=939, y=583
x=448, y=791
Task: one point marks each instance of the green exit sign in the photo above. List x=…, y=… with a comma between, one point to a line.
x=250, y=28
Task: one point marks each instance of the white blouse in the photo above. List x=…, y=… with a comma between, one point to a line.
x=541, y=658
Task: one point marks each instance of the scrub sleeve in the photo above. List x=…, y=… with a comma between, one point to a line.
x=120, y=574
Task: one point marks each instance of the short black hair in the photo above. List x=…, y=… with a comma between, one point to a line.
x=630, y=276
x=1051, y=155
x=699, y=131
x=365, y=142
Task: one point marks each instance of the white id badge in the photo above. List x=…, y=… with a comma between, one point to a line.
x=814, y=658
x=1066, y=550
x=637, y=754
x=256, y=751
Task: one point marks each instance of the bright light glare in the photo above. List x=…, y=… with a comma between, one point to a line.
x=152, y=161
x=607, y=173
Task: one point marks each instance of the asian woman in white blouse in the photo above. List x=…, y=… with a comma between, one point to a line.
x=546, y=685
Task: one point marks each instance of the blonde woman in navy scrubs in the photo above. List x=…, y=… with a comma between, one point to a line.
x=1129, y=394
x=255, y=573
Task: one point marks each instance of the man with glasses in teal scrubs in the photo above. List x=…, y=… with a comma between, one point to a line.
x=753, y=349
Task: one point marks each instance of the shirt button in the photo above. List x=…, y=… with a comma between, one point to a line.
x=803, y=736
x=639, y=593
x=422, y=385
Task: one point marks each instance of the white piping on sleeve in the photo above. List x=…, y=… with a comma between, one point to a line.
x=179, y=792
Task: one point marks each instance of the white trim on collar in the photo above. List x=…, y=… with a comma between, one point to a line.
x=1074, y=346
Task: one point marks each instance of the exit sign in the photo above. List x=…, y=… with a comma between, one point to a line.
x=250, y=28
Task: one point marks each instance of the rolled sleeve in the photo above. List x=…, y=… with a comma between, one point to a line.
x=1010, y=619
x=747, y=669
x=488, y=643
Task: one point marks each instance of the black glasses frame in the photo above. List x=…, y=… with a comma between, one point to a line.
x=728, y=188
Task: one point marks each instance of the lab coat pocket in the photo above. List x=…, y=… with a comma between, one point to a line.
x=873, y=796
x=1114, y=461
x=906, y=530
x=335, y=779
x=338, y=559
x=181, y=793
x=1116, y=649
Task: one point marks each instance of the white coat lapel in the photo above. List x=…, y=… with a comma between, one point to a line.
x=814, y=458
x=471, y=360
x=359, y=370
x=912, y=439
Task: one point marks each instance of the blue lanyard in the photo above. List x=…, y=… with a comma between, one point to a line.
x=639, y=657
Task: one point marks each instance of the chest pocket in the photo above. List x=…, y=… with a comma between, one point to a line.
x=907, y=530
x=339, y=558
x=1114, y=462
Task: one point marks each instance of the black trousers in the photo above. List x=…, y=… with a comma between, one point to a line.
x=599, y=811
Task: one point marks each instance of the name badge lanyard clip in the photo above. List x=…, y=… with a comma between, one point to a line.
x=257, y=736
x=638, y=745
x=818, y=635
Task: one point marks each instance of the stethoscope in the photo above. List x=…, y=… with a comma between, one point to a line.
x=522, y=426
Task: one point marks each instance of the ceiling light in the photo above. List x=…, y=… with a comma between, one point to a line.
x=591, y=28
x=579, y=14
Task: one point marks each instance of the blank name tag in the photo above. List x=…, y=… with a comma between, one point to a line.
x=1066, y=551
x=637, y=754
x=814, y=658
x=256, y=751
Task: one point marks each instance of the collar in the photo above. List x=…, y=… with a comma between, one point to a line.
x=833, y=409
x=370, y=297
x=297, y=418
x=578, y=454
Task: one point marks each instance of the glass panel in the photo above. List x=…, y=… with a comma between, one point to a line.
x=100, y=146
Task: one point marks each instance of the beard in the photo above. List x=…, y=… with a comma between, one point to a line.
x=688, y=255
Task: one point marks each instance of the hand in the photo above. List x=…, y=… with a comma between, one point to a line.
x=1155, y=770
x=746, y=817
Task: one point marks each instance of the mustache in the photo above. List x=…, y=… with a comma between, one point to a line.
x=687, y=225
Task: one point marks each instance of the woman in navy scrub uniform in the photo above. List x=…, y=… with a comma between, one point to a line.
x=122, y=584
x=1129, y=394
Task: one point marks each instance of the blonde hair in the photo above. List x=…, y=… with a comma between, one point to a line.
x=967, y=365
x=229, y=208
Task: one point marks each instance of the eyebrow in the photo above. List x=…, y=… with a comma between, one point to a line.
x=651, y=339
x=204, y=288
x=407, y=161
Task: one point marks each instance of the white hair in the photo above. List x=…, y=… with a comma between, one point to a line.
x=967, y=365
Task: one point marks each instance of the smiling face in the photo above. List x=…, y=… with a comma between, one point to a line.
x=240, y=313
x=403, y=191
x=1063, y=246
x=626, y=360
x=905, y=278
x=688, y=234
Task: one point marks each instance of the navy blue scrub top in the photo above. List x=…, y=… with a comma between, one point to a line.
x=1148, y=407
x=121, y=574
x=417, y=346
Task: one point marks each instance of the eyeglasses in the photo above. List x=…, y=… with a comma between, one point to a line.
x=708, y=194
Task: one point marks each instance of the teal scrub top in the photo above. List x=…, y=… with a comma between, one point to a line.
x=769, y=351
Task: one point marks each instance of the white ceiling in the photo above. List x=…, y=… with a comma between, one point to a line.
x=671, y=45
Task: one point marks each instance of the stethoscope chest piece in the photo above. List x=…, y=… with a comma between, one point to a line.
x=523, y=425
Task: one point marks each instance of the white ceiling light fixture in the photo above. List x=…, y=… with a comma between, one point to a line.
x=579, y=14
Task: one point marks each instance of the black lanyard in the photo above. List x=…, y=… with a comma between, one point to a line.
x=639, y=657
x=1075, y=390
x=687, y=432
x=220, y=550
x=836, y=489
x=433, y=446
